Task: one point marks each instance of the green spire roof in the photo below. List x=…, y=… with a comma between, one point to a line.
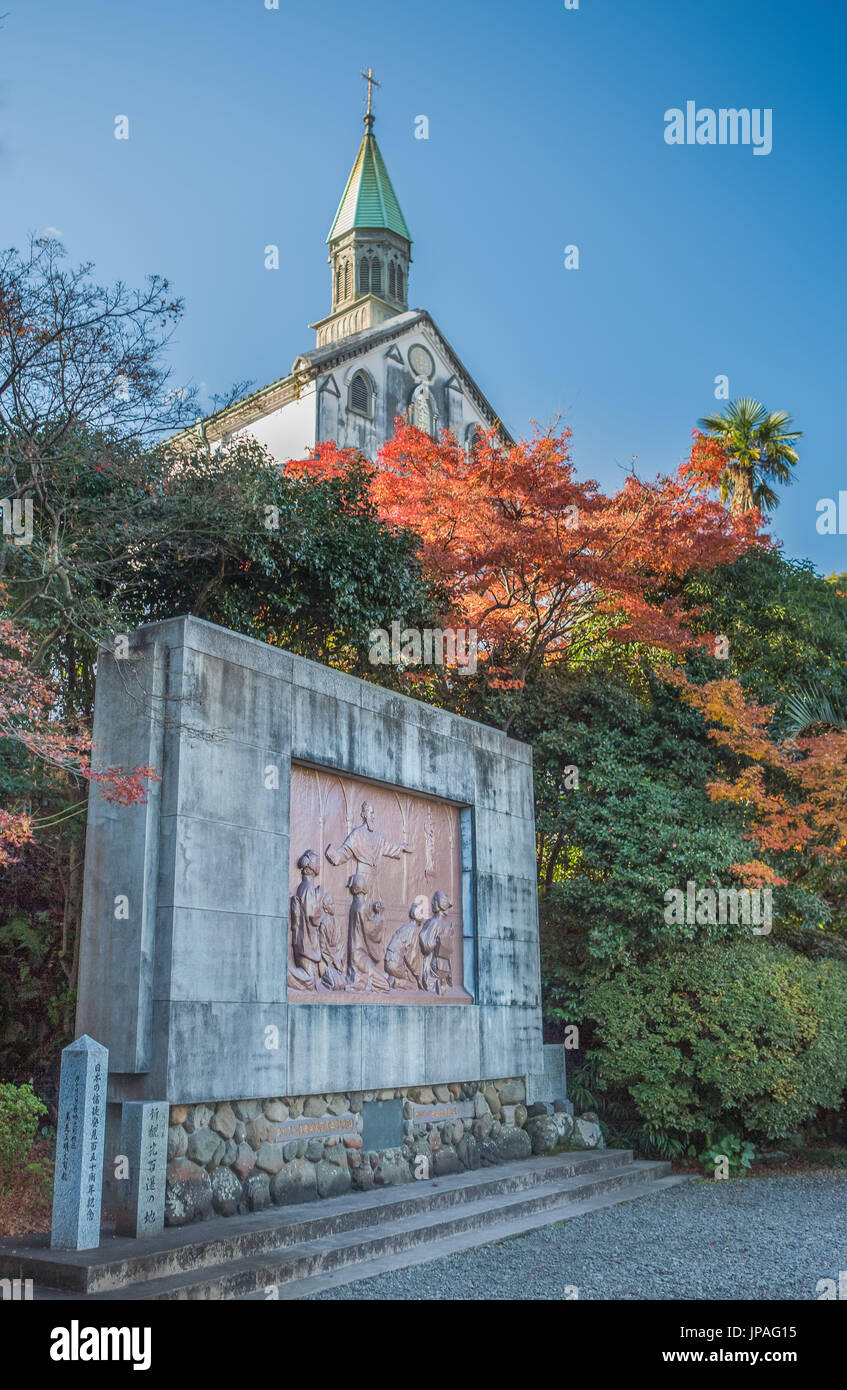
x=369, y=199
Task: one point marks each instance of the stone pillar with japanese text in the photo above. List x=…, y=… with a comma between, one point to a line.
x=79, y=1146
x=141, y=1168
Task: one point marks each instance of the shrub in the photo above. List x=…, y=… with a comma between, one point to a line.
x=20, y=1111
x=727, y=1157
x=739, y=1036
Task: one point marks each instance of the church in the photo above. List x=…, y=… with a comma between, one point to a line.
x=374, y=358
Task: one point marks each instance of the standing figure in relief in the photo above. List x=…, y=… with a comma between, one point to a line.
x=437, y=936
x=364, y=939
x=367, y=847
x=403, y=957
x=304, y=917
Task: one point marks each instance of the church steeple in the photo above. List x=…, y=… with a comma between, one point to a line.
x=370, y=245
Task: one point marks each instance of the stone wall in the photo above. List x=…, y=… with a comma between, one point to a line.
x=228, y=1158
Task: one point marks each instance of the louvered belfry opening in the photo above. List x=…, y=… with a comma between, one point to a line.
x=360, y=395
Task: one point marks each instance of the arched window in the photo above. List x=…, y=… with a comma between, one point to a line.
x=364, y=275
x=399, y=294
x=392, y=283
x=376, y=277
x=360, y=398
x=474, y=436
x=346, y=279
x=339, y=285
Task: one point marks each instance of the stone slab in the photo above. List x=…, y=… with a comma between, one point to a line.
x=80, y=1140
x=382, y=1124
x=551, y=1084
x=120, y=885
x=122, y=1262
x=144, y=1144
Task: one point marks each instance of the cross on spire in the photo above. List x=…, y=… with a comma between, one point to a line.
x=372, y=82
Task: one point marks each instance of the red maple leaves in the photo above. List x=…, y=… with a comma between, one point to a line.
x=539, y=562
x=28, y=720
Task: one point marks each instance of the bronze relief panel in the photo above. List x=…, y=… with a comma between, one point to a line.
x=375, y=905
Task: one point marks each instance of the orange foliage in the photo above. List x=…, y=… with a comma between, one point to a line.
x=530, y=553
x=706, y=463
x=795, y=792
x=27, y=717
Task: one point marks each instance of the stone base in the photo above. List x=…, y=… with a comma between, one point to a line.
x=293, y=1252
x=245, y=1156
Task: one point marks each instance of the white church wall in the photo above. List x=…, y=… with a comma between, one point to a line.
x=322, y=412
x=289, y=432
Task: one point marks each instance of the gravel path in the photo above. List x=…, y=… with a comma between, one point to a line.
x=763, y=1238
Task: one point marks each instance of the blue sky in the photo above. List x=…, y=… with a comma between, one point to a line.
x=546, y=130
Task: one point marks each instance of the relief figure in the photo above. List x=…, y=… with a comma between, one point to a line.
x=304, y=918
x=352, y=936
x=436, y=940
x=364, y=939
x=403, y=956
x=367, y=846
x=332, y=965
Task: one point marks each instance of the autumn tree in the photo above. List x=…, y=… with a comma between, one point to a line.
x=542, y=564
x=791, y=791
x=28, y=725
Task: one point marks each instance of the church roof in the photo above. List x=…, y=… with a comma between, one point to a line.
x=369, y=199
x=316, y=357
x=316, y=361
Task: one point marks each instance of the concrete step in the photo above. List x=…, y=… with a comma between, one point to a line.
x=467, y=1240
x=426, y=1234
x=119, y=1261
x=295, y=1251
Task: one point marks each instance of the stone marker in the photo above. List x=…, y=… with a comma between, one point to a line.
x=79, y=1146
x=550, y=1085
x=144, y=1142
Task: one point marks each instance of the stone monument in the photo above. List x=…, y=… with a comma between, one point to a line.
x=141, y=1194
x=325, y=911
x=80, y=1137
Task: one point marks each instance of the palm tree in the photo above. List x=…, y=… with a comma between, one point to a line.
x=814, y=707
x=759, y=447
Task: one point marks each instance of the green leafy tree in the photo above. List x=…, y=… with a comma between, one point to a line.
x=293, y=559
x=787, y=645
x=20, y=1112
x=784, y=624
x=622, y=815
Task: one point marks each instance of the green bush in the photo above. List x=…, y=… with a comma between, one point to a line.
x=730, y=1152
x=739, y=1036
x=20, y=1111
x=826, y=1158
